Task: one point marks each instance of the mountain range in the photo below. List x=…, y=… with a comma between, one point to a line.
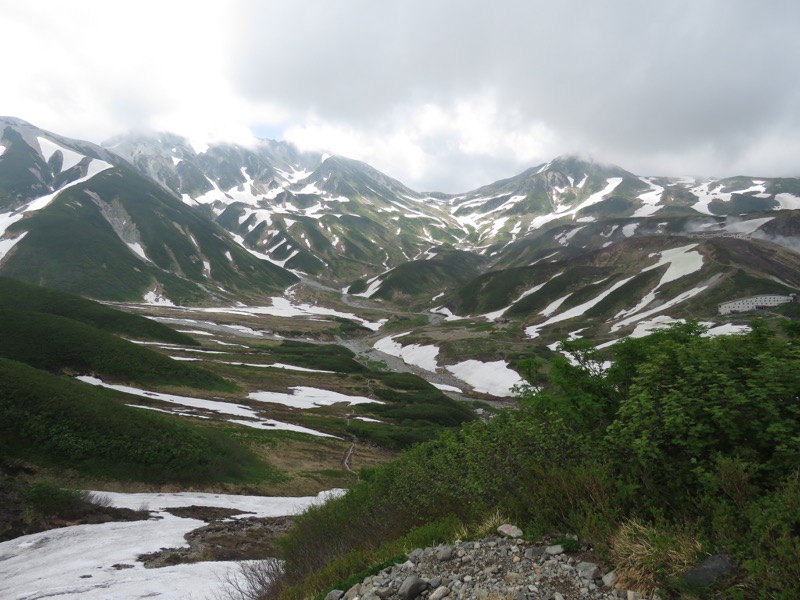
x=152, y=218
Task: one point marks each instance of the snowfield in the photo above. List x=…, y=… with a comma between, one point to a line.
x=99, y=561
x=413, y=354
x=494, y=378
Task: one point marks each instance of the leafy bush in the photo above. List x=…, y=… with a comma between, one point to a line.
x=46, y=499
x=684, y=439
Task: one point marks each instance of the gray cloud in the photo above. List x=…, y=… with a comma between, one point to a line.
x=706, y=79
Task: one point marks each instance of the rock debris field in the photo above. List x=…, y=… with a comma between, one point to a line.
x=494, y=568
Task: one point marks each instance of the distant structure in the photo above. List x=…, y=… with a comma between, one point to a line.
x=754, y=303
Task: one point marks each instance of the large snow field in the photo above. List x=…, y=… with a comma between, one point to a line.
x=413, y=354
x=494, y=378
x=251, y=418
x=309, y=397
x=99, y=561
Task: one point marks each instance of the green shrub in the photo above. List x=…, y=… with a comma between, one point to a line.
x=46, y=499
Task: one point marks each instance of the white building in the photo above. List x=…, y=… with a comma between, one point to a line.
x=753, y=303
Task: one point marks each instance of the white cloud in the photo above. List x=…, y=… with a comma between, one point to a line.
x=446, y=95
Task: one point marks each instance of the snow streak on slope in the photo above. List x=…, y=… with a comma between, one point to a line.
x=650, y=199
x=308, y=397
x=575, y=311
x=7, y=219
x=499, y=313
x=70, y=157
x=712, y=190
x=682, y=261
x=613, y=182
x=282, y=307
x=226, y=408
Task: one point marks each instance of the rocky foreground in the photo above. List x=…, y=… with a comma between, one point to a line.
x=494, y=568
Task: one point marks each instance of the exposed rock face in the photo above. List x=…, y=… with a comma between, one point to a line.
x=497, y=567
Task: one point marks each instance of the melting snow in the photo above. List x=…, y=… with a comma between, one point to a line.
x=282, y=307
x=137, y=249
x=788, y=201
x=650, y=199
x=79, y=561
x=575, y=311
x=309, y=397
x=629, y=229
x=225, y=408
x=153, y=298
x=413, y=354
x=494, y=378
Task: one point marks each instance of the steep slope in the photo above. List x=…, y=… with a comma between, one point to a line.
x=309, y=212
x=101, y=229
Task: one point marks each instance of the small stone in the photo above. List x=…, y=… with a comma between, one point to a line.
x=435, y=582
x=588, y=570
x=439, y=593
x=353, y=593
x=370, y=596
x=610, y=578
x=444, y=553
x=334, y=595
x=411, y=587
x=554, y=550
x=634, y=595
x=709, y=570
x=509, y=530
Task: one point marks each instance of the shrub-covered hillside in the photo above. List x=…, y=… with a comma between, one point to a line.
x=685, y=437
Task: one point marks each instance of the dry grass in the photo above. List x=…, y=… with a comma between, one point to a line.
x=254, y=580
x=646, y=556
x=487, y=527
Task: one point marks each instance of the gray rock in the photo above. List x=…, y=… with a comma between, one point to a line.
x=554, y=550
x=709, y=570
x=444, y=553
x=353, y=593
x=370, y=596
x=411, y=587
x=509, y=530
x=588, y=570
x=439, y=593
x=610, y=578
x=334, y=595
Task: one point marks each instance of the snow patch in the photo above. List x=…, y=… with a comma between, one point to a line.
x=413, y=354
x=494, y=378
x=309, y=397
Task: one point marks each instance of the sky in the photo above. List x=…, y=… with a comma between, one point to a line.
x=443, y=95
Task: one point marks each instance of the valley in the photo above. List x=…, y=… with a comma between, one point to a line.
x=267, y=323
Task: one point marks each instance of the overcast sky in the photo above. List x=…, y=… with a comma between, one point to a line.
x=442, y=94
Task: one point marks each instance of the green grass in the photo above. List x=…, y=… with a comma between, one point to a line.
x=58, y=422
x=20, y=295
x=57, y=344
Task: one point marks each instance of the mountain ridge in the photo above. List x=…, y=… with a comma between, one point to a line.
x=223, y=222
